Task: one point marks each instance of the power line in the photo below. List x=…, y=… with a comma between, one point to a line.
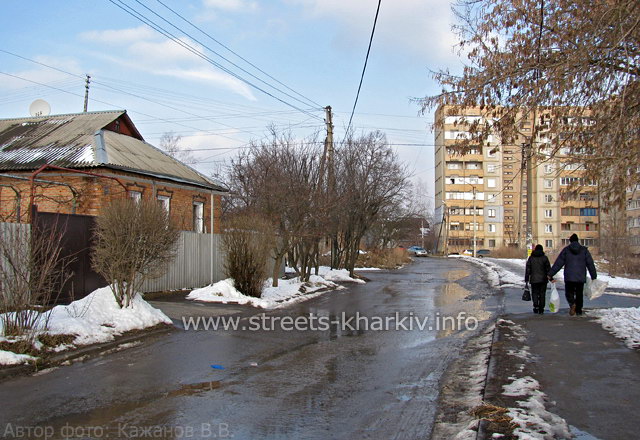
x=236, y=54
x=144, y=19
x=373, y=30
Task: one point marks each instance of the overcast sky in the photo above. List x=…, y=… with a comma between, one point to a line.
x=313, y=47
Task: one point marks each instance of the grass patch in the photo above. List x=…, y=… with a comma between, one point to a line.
x=498, y=422
x=19, y=346
x=52, y=341
x=384, y=258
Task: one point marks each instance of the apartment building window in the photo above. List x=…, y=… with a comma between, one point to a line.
x=548, y=198
x=198, y=217
x=492, y=152
x=548, y=228
x=548, y=244
x=491, y=168
x=454, y=165
x=588, y=212
x=548, y=183
x=548, y=213
x=491, y=227
x=492, y=243
x=491, y=213
x=565, y=181
x=491, y=198
x=474, y=165
x=491, y=183
x=165, y=202
x=633, y=204
x=548, y=169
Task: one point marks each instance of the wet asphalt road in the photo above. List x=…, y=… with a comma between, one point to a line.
x=335, y=383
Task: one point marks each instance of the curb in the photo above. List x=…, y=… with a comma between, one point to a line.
x=481, y=434
x=54, y=360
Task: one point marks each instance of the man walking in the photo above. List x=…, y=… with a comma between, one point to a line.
x=575, y=259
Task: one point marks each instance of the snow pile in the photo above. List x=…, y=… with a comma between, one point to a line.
x=337, y=275
x=624, y=323
x=97, y=317
x=533, y=420
x=287, y=292
x=11, y=358
x=497, y=276
x=504, y=275
x=93, y=319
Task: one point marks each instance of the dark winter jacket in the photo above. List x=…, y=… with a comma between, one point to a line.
x=537, y=268
x=575, y=259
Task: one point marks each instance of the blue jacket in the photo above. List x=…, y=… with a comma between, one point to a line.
x=575, y=259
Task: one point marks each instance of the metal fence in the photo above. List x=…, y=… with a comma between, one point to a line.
x=199, y=261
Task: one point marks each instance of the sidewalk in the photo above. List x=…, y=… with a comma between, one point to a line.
x=589, y=377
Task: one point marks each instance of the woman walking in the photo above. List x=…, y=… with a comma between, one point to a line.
x=537, y=273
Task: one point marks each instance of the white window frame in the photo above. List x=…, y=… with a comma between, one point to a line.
x=548, y=228
x=165, y=202
x=548, y=213
x=198, y=217
x=136, y=196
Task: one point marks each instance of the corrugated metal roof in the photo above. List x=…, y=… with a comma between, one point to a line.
x=79, y=141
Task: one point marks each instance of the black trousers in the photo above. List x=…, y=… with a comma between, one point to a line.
x=538, y=294
x=573, y=291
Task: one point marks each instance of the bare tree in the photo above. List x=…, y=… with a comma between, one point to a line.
x=170, y=143
x=33, y=273
x=370, y=181
x=134, y=242
x=278, y=180
x=573, y=67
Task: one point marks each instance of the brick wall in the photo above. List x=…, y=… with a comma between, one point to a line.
x=89, y=195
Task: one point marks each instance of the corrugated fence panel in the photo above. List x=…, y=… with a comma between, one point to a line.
x=196, y=256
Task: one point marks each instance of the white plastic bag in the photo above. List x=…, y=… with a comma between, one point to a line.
x=554, y=299
x=594, y=288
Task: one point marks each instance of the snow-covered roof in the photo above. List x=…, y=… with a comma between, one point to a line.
x=92, y=139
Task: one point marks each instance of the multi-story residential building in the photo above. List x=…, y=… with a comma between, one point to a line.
x=633, y=219
x=491, y=179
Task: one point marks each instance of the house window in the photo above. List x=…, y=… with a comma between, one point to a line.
x=492, y=227
x=548, y=213
x=491, y=213
x=136, y=196
x=165, y=202
x=198, y=217
x=548, y=228
x=548, y=244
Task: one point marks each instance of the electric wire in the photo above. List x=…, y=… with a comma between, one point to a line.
x=364, y=68
x=144, y=19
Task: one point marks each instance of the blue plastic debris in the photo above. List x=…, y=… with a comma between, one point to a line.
x=217, y=367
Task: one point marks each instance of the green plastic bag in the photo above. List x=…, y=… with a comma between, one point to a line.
x=554, y=300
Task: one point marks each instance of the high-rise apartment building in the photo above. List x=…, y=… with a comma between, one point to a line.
x=483, y=192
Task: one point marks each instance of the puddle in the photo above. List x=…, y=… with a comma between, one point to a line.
x=195, y=388
x=581, y=435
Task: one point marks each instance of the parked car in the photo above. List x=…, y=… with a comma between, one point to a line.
x=480, y=253
x=417, y=251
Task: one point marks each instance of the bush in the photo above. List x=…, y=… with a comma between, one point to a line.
x=508, y=252
x=247, y=242
x=134, y=242
x=32, y=275
x=384, y=258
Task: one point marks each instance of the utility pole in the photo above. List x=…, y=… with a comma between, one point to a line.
x=475, y=225
x=86, y=92
x=327, y=160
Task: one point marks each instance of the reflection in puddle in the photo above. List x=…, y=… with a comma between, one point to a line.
x=453, y=299
x=194, y=388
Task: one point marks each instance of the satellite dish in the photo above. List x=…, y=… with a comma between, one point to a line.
x=39, y=107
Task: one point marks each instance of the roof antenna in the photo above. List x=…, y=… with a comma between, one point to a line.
x=86, y=92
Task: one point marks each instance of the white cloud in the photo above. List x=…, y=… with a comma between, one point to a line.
x=143, y=49
x=120, y=36
x=411, y=26
x=232, y=5
x=44, y=75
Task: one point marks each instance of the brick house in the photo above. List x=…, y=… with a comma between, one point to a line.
x=76, y=163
